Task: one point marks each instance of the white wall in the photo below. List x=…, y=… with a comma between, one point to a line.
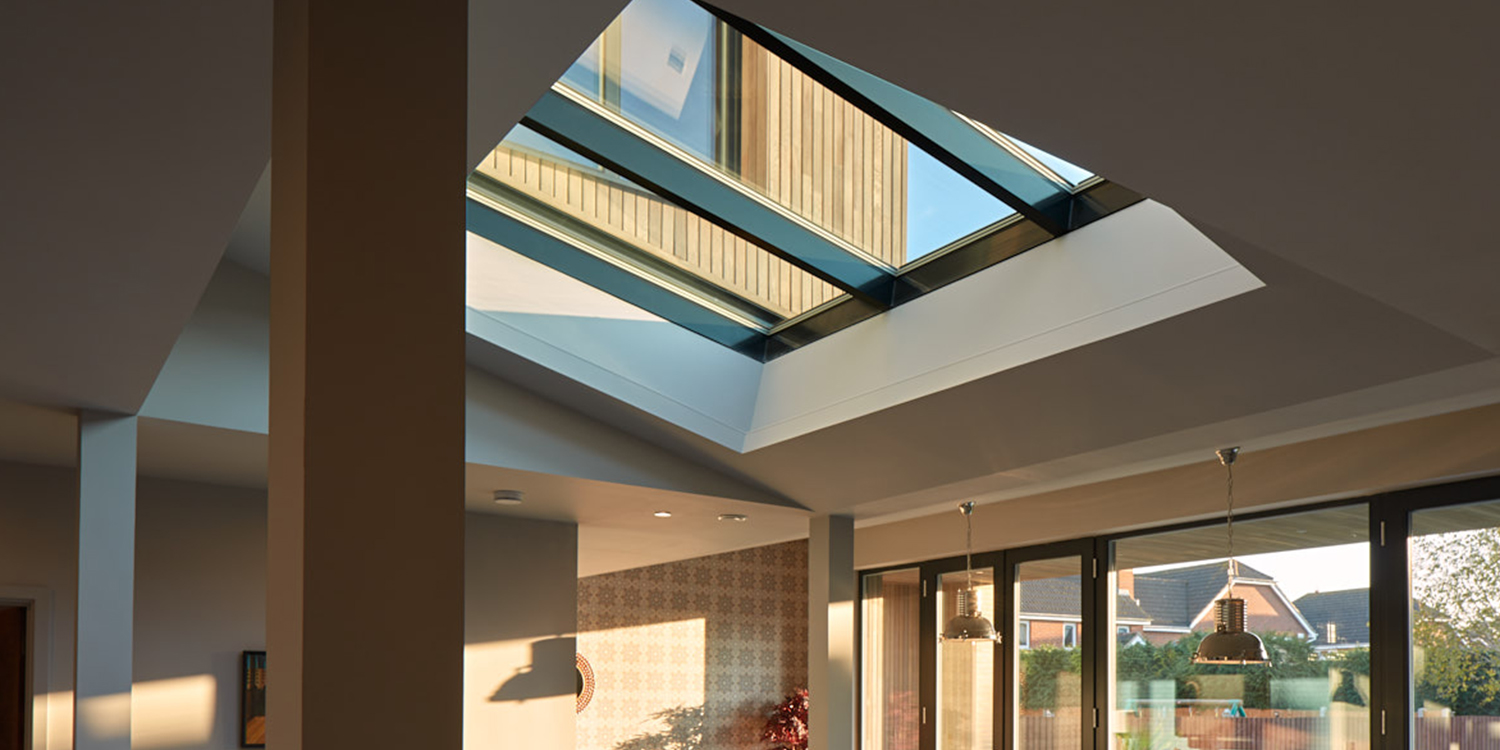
x=610, y=345
x=218, y=373
x=39, y=561
x=1140, y=266
x=520, y=622
x=200, y=597
x=199, y=600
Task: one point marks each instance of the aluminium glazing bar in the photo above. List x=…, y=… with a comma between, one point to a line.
x=928, y=125
x=589, y=129
x=498, y=223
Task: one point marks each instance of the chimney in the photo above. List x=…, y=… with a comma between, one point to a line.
x=1126, y=582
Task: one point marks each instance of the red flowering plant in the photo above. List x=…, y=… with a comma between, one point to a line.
x=786, y=729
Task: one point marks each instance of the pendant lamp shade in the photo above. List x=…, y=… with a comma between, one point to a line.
x=1231, y=642
x=969, y=624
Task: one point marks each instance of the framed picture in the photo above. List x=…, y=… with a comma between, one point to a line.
x=253, y=699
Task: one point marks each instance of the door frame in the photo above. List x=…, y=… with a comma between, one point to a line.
x=38, y=664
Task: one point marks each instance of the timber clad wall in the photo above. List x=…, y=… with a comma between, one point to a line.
x=650, y=223
x=801, y=146
x=818, y=155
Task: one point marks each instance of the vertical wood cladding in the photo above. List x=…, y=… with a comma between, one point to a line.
x=801, y=146
x=693, y=651
x=650, y=223
x=809, y=150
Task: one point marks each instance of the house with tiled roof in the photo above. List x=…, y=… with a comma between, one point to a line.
x=1341, y=618
x=1178, y=601
x=1050, y=613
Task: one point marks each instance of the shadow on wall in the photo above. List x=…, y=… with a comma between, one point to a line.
x=551, y=656
x=684, y=731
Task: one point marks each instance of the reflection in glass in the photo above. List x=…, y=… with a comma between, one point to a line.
x=965, y=669
x=1048, y=671
x=587, y=74
x=671, y=67
x=565, y=188
x=1305, y=580
x=1455, y=627
x=1072, y=173
x=890, y=673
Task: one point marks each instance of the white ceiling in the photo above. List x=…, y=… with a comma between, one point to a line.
x=1343, y=154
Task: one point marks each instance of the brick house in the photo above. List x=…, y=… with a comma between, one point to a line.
x=1050, y=613
x=1180, y=601
x=1165, y=605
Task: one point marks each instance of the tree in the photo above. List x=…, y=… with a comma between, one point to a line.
x=1456, y=620
x=1040, y=670
x=1292, y=657
x=1454, y=579
x=1350, y=665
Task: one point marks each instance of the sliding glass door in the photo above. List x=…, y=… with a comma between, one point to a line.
x=1047, y=667
x=1306, y=585
x=966, y=673
x=890, y=667
x=1381, y=618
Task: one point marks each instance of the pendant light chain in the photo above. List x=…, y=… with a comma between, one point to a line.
x=969, y=551
x=1231, y=642
x=969, y=624
x=1229, y=526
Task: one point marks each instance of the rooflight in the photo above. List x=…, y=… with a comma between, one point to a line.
x=728, y=188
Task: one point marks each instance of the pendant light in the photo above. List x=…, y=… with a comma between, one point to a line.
x=969, y=624
x=1230, y=643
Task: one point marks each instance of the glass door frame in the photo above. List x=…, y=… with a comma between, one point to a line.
x=1088, y=568
x=1005, y=564
x=932, y=574
x=1389, y=516
x=1390, y=615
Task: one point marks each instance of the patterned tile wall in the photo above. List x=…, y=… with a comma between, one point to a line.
x=693, y=654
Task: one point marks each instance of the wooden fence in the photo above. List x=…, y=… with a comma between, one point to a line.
x=1208, y=732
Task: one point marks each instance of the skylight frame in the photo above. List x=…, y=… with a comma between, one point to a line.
x=576, y=121
x=509, y=202
x=712, y=172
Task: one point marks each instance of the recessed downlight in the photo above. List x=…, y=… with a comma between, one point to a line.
x=509, y=497
x=733, y=517
x=663, y=514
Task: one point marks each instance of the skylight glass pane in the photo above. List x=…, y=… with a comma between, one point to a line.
x=672, y=68
x=943, y=207
x=586, y=75
x=578, y=196
x=1069, y=171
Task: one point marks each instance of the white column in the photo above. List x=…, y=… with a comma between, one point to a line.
x=106, y=581
x=832, y=591
x=365, y=579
